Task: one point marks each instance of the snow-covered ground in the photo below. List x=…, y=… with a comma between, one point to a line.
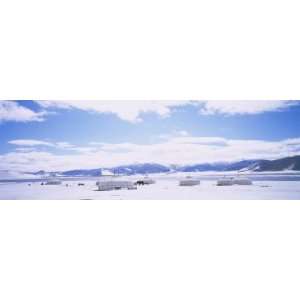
x=165, y=188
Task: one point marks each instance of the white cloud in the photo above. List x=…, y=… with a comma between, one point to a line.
x=175, y=133
x=63, y=145
x=12, y=111
x=188, y=140
x=126, y=110
x=30, y=143
x=182, y=133
x=244, y=107
x=25, y=149
x=84, y=149
x=175, y=150
x=132, y=111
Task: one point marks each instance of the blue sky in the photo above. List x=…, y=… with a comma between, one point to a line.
x=85, y=134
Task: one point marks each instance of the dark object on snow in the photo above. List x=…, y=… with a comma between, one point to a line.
x=140, y=182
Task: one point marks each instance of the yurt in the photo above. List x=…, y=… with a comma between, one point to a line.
x=114, y=183
x=239, y=180
x=189, y=181
x=52, y=180
x=146, y=180
x=225, y=181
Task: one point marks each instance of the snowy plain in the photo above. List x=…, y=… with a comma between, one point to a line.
x=166, y=188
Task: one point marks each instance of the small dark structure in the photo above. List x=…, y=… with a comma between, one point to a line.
x=140, y=182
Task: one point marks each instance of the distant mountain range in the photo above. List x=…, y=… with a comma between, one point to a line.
x=283, y=164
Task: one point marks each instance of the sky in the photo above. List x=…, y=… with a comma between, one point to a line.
x=66, y=135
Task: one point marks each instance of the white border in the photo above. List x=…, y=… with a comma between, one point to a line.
x=149, y=250
x=158, y=50
x=163, y=50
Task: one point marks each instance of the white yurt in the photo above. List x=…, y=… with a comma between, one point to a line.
x=147, y=180
x=239, y=180
x=53, y=181
x=114, y=183
x=189, y=181
x=225, y=181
